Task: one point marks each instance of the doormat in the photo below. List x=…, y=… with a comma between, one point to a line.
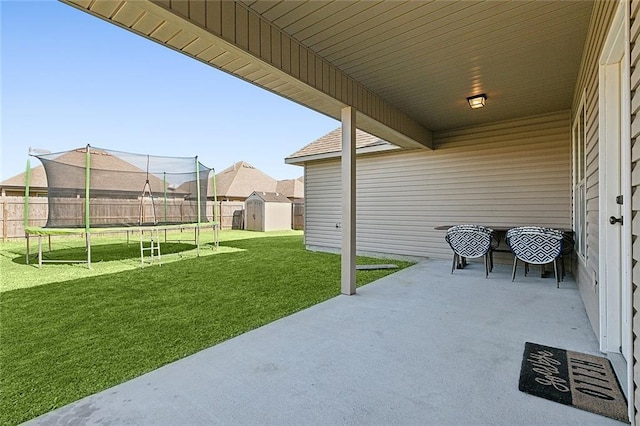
x=572, y=378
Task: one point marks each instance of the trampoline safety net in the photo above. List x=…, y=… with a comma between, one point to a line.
x=124, y=189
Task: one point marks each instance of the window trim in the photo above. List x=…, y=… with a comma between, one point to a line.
x=579, y=179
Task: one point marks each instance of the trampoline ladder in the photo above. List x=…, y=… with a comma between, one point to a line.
x=153, y=248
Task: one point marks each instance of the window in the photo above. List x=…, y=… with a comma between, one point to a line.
x=579, y=180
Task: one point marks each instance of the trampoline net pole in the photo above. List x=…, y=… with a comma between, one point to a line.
x=26, y=192
x=164, y=174
x=216, y=219
x=26, y=204
x=199, y=205
x=165, y=196
x=87, y=185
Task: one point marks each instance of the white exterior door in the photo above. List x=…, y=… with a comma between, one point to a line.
x=611, y=212
x=615, y=193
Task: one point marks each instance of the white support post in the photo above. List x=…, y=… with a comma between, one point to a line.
x=348, y=281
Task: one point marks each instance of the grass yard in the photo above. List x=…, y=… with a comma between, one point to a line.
x=66, y=338
x=110, y=254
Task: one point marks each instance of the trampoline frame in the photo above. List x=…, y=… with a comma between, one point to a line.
x=32, y=231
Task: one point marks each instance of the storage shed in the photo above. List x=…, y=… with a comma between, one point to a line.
x=268, y=211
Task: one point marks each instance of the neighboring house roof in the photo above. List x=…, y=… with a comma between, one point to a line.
x=237, y=181
x=38, y=179
x=330, y=145
x=108, y=173
x=270, y=197
x=291, y=188
x=241, y=179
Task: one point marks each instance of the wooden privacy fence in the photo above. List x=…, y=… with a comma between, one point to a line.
x=231, y=213
x=12, y=215
x=297, y=216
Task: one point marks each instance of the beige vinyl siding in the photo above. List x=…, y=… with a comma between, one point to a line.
x=509, y=173
x=322, y=204
x=588, y=83
x=635, y=182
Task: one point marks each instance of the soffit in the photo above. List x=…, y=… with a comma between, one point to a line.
x=425, y=57
x=422, y=58
x=229, y=36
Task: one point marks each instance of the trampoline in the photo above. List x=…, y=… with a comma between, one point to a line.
x=99, y=191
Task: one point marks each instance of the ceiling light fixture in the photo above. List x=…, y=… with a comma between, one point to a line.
x=477, y=101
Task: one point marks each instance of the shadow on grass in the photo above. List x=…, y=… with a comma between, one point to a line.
x=103, y=252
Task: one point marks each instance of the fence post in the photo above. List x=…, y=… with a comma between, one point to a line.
x=5, y=221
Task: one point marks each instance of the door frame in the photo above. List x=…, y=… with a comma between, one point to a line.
x=615, y=301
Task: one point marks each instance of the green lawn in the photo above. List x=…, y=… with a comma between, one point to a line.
x=110, y=254
x=63, y=340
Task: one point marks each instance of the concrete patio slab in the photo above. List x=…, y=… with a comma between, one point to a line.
x=419, y=347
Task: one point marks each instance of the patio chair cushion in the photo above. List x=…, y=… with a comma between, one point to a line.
x=535, y=245
x=469, y=240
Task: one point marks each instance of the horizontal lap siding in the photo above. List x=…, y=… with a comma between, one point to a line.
x=509, y=173
x=322, y=204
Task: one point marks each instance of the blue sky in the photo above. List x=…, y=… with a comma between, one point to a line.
x=68, y=79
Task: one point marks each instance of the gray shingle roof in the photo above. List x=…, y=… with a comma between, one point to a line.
x=271, y=197
x=332, y=142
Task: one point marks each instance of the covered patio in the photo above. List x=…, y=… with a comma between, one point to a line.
x=405, y=72
x=421, y=346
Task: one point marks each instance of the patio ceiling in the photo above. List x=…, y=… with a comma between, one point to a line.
x=408, y=65
x=427, y=57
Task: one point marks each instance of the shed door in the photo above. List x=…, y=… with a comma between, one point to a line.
x=254, y=215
